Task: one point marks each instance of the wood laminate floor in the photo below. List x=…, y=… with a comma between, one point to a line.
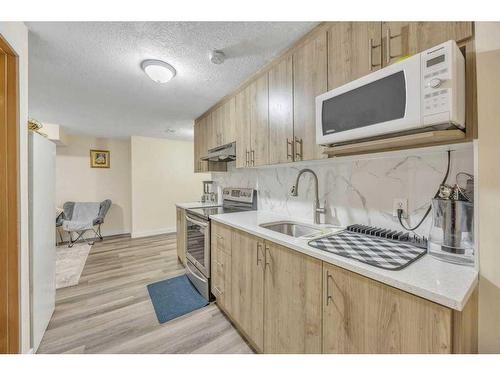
x=109, y=311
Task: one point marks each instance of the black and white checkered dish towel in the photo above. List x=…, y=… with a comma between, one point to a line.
x=378, y=252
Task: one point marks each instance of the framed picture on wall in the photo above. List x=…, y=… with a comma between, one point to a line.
x=99, y=159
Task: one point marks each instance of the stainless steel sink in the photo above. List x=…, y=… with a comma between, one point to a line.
x=293, y=229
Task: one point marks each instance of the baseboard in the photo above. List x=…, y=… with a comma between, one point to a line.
x=153, y=232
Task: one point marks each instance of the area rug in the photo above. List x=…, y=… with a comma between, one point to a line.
x=69, y=264
x=174, y=297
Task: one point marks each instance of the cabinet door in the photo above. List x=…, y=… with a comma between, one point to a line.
x=199, y=146
x=228, y=126
x=211, y=130
x=259, y=119
x=243, y=127
x=364, y=316
x=309, y=80
x=181, y=235
x=247, y=291
x=281, y=112
x=354, y=50
x=293, y=301
x=408, y=38
x=221, y=265
x=196, y=146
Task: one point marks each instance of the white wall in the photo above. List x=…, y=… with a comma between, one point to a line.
x=357, y=190
x=77, y=181
x=162, y=175
x=16, y=34
x=488, y=85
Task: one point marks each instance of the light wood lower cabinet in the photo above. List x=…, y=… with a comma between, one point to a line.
x=221, y=241
x=292, y=301
x=364, y=316
x=286, y=302
x=181, y=234
x=247, y=286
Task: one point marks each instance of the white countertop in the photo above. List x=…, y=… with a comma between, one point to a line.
x=188, y=205
x=441, y=282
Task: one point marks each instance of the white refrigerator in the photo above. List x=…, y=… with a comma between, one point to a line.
x=42, y=207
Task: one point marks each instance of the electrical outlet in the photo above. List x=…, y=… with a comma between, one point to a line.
x=400, y=203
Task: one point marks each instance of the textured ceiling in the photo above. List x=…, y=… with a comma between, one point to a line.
x=86, y=76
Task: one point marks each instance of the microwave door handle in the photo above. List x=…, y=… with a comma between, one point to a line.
x=194, y=221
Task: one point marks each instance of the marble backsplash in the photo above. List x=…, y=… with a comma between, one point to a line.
x=356, y=191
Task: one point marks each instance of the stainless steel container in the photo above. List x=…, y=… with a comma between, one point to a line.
x=452, y=233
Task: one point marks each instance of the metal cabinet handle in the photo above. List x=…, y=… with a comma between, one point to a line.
x=298, y=154
x=328, y=295
x=388, y=38
x=259, y=248
x=289, y=149
x=371, y=47
x=253, y=158
x=247, y=153
x=268, y=262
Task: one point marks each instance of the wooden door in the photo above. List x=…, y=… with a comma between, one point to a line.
x=211, y=130
x=408, y=38
x=221, y=265
x=354, y=50
x=200, y=145
x=9, y=250
x=361, y=315
x=228, y=132
x=309, y=81
x=181, y=235
x=259, y=119
x=281, y=112
x=293, y=301
x=243, y=127
x=247, y=291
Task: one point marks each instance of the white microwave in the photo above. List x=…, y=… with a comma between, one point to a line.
x=424, y=90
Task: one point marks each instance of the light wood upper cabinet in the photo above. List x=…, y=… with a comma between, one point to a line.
x=247, y=285
x=211, y=132
x=252, y=124
x=292, y=305
x=243, y=133
x=281, y=112
x=354, y=50
x=361, y=315
x=408, y=38
x=181, y=235
x=200, y=145
x=309, y=81
x=228, y=130
x=259, y=121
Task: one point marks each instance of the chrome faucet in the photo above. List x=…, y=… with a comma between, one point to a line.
x=294, y=191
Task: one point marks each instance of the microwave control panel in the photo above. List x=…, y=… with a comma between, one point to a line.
x=443, y=84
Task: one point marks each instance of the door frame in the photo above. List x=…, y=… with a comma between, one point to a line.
x=9, y=212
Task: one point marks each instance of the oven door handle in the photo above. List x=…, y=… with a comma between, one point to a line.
x=194, y=272
x=194, y=221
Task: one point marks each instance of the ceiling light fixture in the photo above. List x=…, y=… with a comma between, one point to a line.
x=170, y=130
x=159, y=71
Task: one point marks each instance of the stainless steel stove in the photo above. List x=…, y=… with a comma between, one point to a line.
x=198, y=233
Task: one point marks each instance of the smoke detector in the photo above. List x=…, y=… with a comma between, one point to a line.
x=217, y=56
